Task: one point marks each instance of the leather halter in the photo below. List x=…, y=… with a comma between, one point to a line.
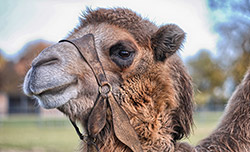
x=97, y=118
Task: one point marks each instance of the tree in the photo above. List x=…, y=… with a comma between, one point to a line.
x=2, y=61
x=207, y=76
x=232, y=22
x=28, y=53
x=12, y=73
x=2, y=67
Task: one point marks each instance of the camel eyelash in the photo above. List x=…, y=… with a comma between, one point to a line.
x=123, y=45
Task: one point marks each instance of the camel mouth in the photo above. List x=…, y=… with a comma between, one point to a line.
x=57, y=96
x=55, y=90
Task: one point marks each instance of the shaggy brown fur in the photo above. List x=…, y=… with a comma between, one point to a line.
x=152, y=87
x=141, y=29
x=157, y=98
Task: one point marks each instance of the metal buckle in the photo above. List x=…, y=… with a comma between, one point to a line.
x=105, y=89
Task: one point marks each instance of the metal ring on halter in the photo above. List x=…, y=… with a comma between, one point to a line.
x=105, y=89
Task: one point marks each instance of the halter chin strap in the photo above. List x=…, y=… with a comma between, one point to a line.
x=97, y=118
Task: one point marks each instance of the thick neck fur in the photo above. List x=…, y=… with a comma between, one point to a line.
x=148, y=101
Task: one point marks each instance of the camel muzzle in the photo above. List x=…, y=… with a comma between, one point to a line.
x=97, y=118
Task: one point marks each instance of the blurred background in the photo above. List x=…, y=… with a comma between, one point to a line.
x=216, y=53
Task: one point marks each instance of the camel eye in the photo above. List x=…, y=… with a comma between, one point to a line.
x=122, y=53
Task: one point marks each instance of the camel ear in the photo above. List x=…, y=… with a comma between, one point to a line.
x=166, y=41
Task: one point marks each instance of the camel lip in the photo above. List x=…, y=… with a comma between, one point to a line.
x=57, y=96
x=55, y=90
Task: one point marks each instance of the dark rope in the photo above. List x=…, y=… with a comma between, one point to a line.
x=78, y=49
x=102, y=81
x=89, y=141
x=77, y=129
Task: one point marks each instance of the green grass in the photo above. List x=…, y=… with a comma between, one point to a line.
x=205, y=123
x=35, y=134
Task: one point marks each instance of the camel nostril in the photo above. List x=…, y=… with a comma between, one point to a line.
x=45, y=62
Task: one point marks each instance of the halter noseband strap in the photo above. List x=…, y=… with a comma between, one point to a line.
x=97, y=118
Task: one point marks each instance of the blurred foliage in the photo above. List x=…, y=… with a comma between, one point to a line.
x=207, y=76
x=211, y=73
x=12, y=72
x=2, y=62
x=28, y=53
x=240, y=66
x=9, y=79
x=231, y=21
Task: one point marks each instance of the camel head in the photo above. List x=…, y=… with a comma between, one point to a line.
x=147, y=77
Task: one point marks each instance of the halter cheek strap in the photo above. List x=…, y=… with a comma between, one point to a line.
x=97, y=118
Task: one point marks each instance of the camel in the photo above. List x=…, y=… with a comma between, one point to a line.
x=119, y=76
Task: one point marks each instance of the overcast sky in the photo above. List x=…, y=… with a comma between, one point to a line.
x=22, y=21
